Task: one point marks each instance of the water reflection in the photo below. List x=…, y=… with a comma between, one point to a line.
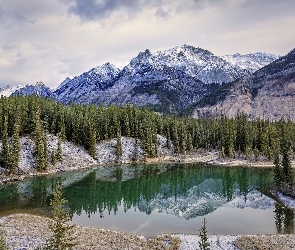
x=186, y=191
x=284, y=219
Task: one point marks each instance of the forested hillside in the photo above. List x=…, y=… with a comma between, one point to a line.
x=88, y=125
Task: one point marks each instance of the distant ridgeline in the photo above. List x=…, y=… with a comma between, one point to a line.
x=89, y=124
x=167, y=81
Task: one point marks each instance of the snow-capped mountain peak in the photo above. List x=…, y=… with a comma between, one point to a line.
x=9, y=90
x=252, y=61
x=167, y=80
x=39, y=89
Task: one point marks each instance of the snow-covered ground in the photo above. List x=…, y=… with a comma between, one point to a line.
x=287, y=200
x=76, y=157
x=217, y=242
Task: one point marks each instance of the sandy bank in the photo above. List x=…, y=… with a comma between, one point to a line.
x=28, y=232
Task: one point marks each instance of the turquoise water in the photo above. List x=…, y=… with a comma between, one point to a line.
x=153, y=199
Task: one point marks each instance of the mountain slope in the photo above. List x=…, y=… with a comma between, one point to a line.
x=267, y=93
x=9, y=90
x=81, y=88
x=165, y=81
x=251, y=62
x=39, y=89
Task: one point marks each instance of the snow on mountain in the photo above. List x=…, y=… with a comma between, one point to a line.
x=200, y=63
x=267, y=93
x=166, y=81
x=251, y=62
x=169, y=80
x=203, y=199
x=39, y=89
x=81, y=89
x=8, y=90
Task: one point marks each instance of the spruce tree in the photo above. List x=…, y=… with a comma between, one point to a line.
x=53, y=157
x=61, y=239
x=14, y=149
x=287, y=168
x=136, y=150
x=119, y=147
x=154, y=146
x=62, y=130
x=39, y=151
x=92, y=141
x=5, y=145
x=203, y=243
x=45, y=143
x=176, y=142
x=285, y=150
x=278, y=177
x=189, y=143
x=59, y=151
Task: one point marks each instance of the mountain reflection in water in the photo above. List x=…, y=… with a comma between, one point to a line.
x=185, y=192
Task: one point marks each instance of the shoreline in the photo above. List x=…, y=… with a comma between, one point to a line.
x=75, y=157
x=25, y=231
x=187, y=241
x=208, y=157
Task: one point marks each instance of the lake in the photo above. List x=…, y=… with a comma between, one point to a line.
x=161, y=198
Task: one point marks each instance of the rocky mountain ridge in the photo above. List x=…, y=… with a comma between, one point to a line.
x=268, y=93
x=9, y=90
x=165, y=81
x=39, y=89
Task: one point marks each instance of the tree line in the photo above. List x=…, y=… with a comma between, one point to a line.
x=89, y=124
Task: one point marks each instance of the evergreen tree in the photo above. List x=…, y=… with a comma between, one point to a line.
x=53, y=157
x=14, y=149
x=285, y=149
x=92, y=141
x=277, y=169
x=5, y=145
x=147, y=140
x=189, y=143
x=45, y=143
x=154, y=145
x=61, y=239
x=39, y=151
x=287, y=168
x=176, y=142
x=203, y=243
x=127, y=125
x=136, y=150
x=59, y=151
x=118, y=147
x=168, y=138
x=62, y=130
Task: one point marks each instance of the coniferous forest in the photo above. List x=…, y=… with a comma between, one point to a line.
x=88, y=124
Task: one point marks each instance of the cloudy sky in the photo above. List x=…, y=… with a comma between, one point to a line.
x=48, y=40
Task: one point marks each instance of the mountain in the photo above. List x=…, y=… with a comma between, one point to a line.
x=203, y=199
x=251, y=62
x=165, y=81
x=83, y=88
x=9, y=90
x=39, y=89
x=267, y=93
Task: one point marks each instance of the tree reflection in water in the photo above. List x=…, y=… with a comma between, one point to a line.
x=284, y=219
x=142, y=185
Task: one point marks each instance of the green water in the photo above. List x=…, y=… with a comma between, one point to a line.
x=153, y=199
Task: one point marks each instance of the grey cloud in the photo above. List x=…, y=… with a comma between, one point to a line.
x=161, y=13
x=10, y=19
x=100, y=9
